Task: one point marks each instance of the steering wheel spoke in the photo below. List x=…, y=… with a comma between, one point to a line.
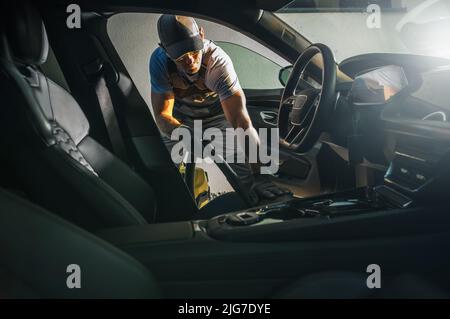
x=297, y=137
x=292, y=132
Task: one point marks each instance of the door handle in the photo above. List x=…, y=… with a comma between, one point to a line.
x=269, y=117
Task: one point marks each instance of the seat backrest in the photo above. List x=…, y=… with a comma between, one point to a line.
x=37, y=249
x=45, y=137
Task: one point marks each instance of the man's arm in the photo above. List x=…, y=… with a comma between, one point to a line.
x=236, y=113
x=162, y=104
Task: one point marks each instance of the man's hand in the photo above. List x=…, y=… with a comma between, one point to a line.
x=266, y=189
x=237, y=114
x=162, y=104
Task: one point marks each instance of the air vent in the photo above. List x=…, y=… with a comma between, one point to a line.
x=409, y=173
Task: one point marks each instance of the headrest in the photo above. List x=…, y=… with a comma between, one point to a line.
x=26, y=33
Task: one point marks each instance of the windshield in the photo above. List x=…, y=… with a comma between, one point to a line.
x=353, y=27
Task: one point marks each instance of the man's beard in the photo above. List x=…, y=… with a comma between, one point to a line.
x=193, y=73
x=197, y=69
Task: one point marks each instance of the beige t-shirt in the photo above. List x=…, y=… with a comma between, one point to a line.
x=216, y=80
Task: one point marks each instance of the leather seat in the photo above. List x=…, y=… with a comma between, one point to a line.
x=36, y=248
x=46, y=139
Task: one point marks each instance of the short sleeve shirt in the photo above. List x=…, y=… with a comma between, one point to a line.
x=219, y=80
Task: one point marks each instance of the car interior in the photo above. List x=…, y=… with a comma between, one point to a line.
x=85, y=177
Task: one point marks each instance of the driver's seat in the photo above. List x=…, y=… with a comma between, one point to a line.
x=44, y=136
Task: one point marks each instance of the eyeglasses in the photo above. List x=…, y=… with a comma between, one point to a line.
x=192, y=54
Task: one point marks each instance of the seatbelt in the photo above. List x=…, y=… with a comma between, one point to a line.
x=109, y=116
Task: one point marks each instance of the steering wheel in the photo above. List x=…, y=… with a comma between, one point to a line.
x=303, y=115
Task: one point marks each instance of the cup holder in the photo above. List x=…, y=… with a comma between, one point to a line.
x=333, y=207
x=288, y=213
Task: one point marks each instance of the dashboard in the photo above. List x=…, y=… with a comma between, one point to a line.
x=402, y=102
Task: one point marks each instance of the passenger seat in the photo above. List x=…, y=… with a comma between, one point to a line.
x=44, y=136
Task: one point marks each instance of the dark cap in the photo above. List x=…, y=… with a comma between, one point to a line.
x=179, y=35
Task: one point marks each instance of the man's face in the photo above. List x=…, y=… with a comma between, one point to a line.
x=190, y=62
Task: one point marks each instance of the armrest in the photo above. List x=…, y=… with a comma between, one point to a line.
x=148, y=233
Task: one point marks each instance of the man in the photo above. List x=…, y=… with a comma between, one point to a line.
x=194, y=79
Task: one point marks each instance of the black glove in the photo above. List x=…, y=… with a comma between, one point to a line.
x=266, y=189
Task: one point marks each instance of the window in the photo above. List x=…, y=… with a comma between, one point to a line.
x=254, y=70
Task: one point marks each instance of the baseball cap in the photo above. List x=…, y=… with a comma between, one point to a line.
x=179, y=35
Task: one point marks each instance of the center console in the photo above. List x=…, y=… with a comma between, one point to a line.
x=412, y=200
x=381, y=211
x=255, y=251
x=327, y=216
